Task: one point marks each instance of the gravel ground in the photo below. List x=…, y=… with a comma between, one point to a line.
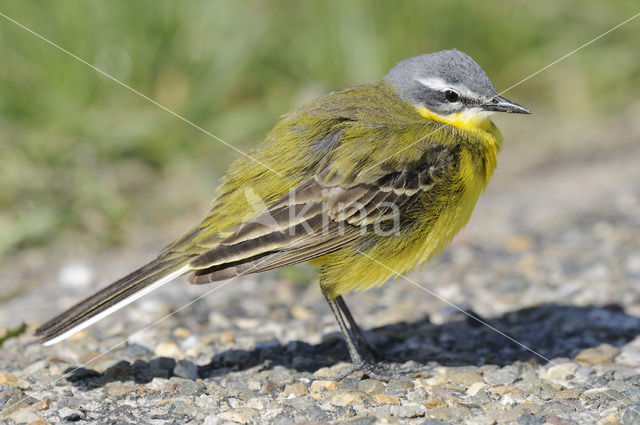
x=549, y=259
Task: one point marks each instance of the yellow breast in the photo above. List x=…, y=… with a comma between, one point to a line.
x=483, y=133
x=480, y=141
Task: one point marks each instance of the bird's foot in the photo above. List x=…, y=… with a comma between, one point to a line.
x=381, y=371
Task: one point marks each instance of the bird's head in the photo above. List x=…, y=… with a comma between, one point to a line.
x=449, y=85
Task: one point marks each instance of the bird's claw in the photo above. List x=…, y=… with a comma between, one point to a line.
x=379, y=371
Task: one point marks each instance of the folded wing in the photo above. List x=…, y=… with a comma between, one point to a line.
x=317, y=217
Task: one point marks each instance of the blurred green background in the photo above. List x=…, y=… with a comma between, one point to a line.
x=83, y=159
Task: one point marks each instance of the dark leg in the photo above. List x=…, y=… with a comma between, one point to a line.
x=357, y=360
x=351, y=345
x=366, y=349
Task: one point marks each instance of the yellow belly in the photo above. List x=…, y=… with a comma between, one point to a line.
x=361, y=268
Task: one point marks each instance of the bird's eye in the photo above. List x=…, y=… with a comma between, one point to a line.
x=451, y=96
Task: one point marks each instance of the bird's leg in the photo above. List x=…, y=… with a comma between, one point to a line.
x=351, y=344
x=357, y=360
x=366, y=349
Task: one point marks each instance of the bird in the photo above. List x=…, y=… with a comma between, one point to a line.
x=364, y=183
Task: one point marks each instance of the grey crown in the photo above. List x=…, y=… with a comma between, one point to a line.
x=456, y=69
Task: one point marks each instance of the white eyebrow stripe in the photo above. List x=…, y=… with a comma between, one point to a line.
x=439, y=84
x=434, y=83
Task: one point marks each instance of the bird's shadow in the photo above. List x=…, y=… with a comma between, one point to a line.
x=534, y=334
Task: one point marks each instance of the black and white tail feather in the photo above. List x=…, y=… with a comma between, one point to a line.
x=110, y=299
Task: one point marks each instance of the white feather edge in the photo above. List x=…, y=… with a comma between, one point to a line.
x=155, y=285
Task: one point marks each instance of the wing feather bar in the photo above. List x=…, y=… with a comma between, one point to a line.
x=312, y=220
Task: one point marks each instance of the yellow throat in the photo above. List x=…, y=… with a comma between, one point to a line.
x=476, y=122
x=471, y=120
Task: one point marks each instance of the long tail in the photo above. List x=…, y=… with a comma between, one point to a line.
x=115, y=296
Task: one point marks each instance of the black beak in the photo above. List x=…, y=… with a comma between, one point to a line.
x=500, y=104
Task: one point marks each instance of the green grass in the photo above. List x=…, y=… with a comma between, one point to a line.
x=81, y=154
x=13, y=333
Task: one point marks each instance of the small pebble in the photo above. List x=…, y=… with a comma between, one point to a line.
x=384, y=399
x=301, y=313
x=568, y=394
x=181, y=332
x=476, y=387
x=299, y=403
x=595, y=392
x=604, y=353
x=465, y=378
x=608, y=420
x=76, y=276
x=408, y=411
x=7, y=378
x=502, y=376
x=319, y=386
x=212, y=420
x=398, y=386
x=71, y=415
x=324, y=372
x=164, y=363
x=246, y=323
x=42, y=404
x=631, y=414
x=39, y=421
x=519, y=243
x=347, y=398
x=371, y=386
x=436, y=380
x=241, y=416
x=186, y=369
x=559, y=420
x=434, y=403
x=630, y=353
x=256, y=403
x=227, y=337
x=168, y=349
x=254, y=385
x=297, y=389
x=118, y=389
x=561, y=371
x=502, y=389
x=24, y=415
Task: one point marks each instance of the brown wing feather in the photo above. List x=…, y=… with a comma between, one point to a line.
x=314, y=219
